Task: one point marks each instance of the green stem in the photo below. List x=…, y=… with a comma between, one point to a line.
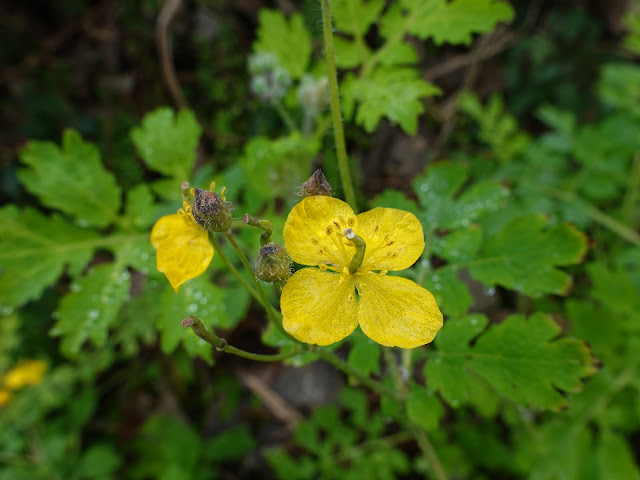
x=221, y=344
x=338, y=132
x=357, y=374
x=273, y=315
x=233, y=269
x=596, y=214
x=395, y=371
x=418, y=433
x=284, y=115
x=425, y=445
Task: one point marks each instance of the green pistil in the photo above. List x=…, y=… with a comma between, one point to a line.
x=361, y=247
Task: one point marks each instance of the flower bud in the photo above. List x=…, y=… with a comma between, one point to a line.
x=270, y=81
x=211, y=211
x=273, y=265
x=313, y=94
x=316, y=185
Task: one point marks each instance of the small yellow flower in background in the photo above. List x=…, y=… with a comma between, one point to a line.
x=5, y=396
x=324, y=305
x=183, y=250
x=27, y=372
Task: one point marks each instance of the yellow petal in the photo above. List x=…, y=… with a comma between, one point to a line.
x=27, y=372
x=397, y=312
x=183, y=250
x=5, y=396
x=314, y=231
x=394, y=239
x=317, y=308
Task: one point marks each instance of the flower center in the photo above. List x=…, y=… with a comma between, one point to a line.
x=338, y=250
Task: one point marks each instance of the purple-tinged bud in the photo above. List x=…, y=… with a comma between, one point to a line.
x=273, y=265
x=316, y=185
x=211, y=211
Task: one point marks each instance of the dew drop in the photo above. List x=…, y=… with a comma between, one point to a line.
x=144, y=256
x=474, y=321
x=93, y=314
x=424, y=187
x=192, y=308
x=75, y=287
x=490, y=291
x=5, y=311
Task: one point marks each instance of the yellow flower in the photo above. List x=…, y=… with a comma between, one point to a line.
x=324, y=305
x=5, y=396
x=27, y=372
x=183, y=250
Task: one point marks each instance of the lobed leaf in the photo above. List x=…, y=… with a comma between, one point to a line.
x=288, y=40
x=523, y=256
x=167, y=142
x=520, y=358
x=34, y=250
x=438, y=186
x=197, y=297
x=445, y=22
x=71, y=179
x=391, y=93
x=92, y=307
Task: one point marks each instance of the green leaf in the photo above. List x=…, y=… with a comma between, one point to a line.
x=355, y=16
x=167, y=142
x=232, y=444
x=450, y=372
x=139, y=209
x=451, y=22
x=523, y=256
x=438, y=186
x=452, y=295
x=196, y=297
x=615, y=458
x=519, y=358
x=288, y=40
x=459, y=245
x=34, y=250
x=92, y=307
x=99, y=461
x=71, y=179
x=364, y=355
x=277, y=167
x=391, y=93
x=424, y=408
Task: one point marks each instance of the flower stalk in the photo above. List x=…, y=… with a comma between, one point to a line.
x=221, y=344
x=336, y=115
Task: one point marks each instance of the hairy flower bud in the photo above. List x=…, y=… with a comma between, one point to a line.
x=270, y=81
x=211, y=211
x=316, y=185
x=273, y=264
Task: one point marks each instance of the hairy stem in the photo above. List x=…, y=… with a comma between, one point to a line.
x=338, y=132
x=221, y=344
x=271, y=312
x=233, y=269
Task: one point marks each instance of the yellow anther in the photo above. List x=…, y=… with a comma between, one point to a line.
x=322, y=267
x=351, y=222
x=212, y=186
x=314, y=241
x=224, y=190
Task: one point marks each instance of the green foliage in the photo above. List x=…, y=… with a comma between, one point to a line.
x=34, y=251
x=171, y=450
x=326, y=442
x=445, y=22
x=392, y=93
x=167, y=143
x=288, y=40
x=519, y=358
x=61, y=177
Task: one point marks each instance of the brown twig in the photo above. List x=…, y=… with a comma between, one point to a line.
x=278, y=406
x=167, y=13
